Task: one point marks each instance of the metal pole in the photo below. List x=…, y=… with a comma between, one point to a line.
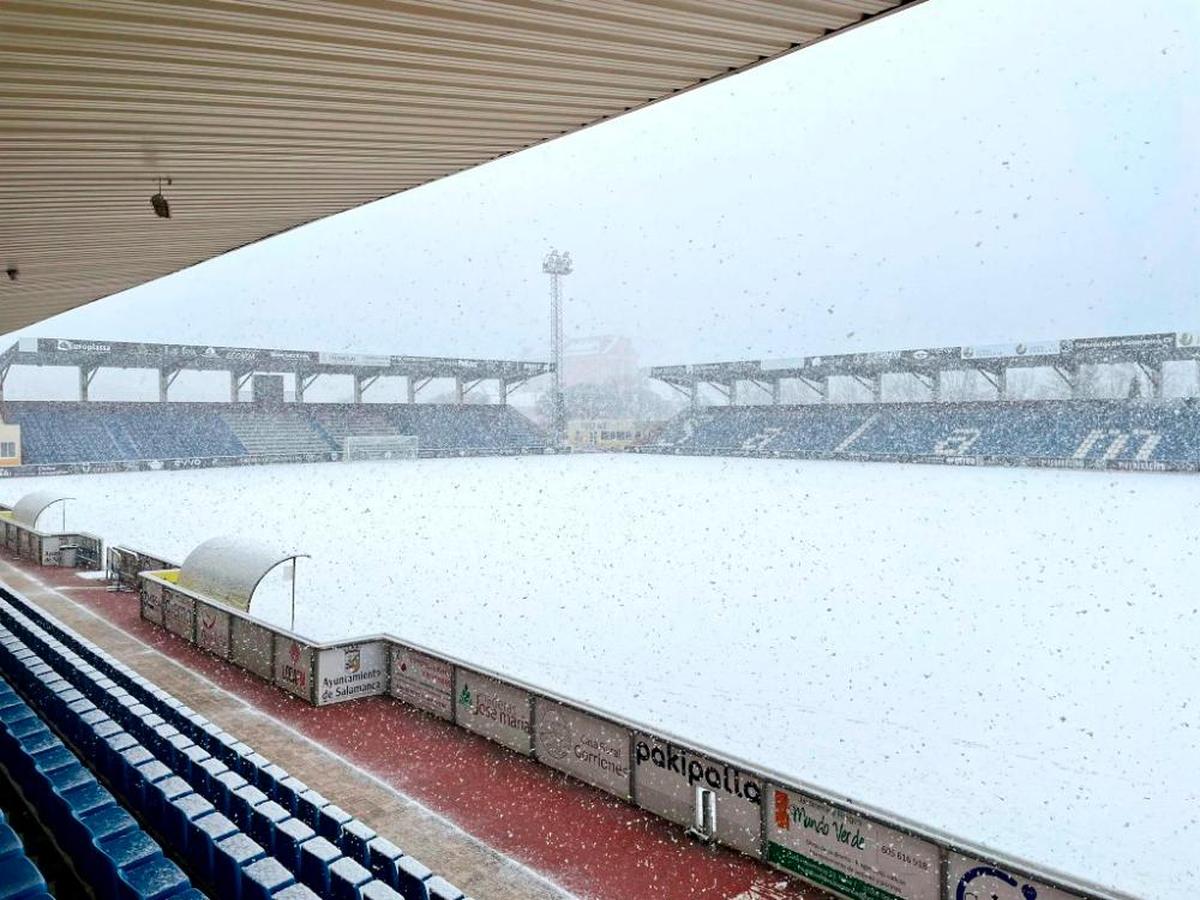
x=556, y=265
x=293, y=595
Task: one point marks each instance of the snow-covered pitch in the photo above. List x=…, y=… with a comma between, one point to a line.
x=1007, y=655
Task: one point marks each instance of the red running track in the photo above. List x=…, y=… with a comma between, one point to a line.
x=581, y=838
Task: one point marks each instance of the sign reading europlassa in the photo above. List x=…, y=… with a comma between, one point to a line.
x=973, y=879
x=494, y=709
x=423, y=681
x=669, y=779
x=854, y=856
x=353, y=670
x=590, y=748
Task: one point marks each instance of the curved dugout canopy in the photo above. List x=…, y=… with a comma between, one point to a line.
x=30, y=507
x=272, y=113
x=230, y=569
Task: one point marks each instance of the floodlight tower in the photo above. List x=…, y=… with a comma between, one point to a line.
x=556, y=265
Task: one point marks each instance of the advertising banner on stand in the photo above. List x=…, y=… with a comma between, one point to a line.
x=590, y=748
x=250, y=646
x=212, y=629
x=672, y=780
x=846, y=853
x=423, y=681
x=151, y=597
x=179, y=614
x=293, y=666
x=352, y=670
x=494, y=709
x=973, y=879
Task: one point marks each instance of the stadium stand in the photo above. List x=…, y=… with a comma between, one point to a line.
x=1166, y=432
x=174, y=801
x=20, y=878
x=66, y=433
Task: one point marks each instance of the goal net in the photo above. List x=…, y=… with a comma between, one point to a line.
x=379, y=446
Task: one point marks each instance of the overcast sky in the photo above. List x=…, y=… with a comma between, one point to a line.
x=964, y=172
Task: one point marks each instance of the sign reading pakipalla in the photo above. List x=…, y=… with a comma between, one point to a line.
x=352, y=670
x=494, y=709
x=423, y=681
x=670, y=780
x=590, y=748
x=854, y=856
x=973, y=879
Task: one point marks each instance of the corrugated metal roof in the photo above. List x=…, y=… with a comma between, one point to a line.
x=272, y=113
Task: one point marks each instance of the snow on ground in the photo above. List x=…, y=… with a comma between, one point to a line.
x=1008, y=655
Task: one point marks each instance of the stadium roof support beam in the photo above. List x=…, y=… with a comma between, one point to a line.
x=361, y=383
x=86, y=374
x=166, y=378
x=932, y=381
x=1153, y=373
x=819, y=386
x=4, y=367
x=1068, y=375
x=873, y=383
x=997, y=378
x=237, y=381
x=303, y=383
x=415, y=386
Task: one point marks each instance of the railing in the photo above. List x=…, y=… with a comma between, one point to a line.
x=1043, y=462
x=251, y=459
x=750, y=807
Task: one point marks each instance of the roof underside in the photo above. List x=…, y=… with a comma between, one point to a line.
x=272, y=113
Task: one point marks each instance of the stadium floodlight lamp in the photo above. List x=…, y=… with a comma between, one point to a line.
x=557, y=263
x=161, y=207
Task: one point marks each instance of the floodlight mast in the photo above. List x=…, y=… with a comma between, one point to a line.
x=556, y=265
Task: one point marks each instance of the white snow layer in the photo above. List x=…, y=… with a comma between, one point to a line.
x=1008, y=655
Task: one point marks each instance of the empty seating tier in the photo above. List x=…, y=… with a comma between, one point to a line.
x=1080, y=431
x=185, y=803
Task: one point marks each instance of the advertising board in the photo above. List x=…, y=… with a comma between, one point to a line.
x=423, y=681
x=251, y=646
x=494, y=709
x=293, y=666
x=179, y=613
x=353, y=359
x=973, y=879
x=212, y=629
x=846, y=853
x=351, y=670
x=1157, y=341
x=590, y=748
x=670, y=780
x=151, y=597
x=1012, y=350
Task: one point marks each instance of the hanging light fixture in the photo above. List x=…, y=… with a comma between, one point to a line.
x=162, y=208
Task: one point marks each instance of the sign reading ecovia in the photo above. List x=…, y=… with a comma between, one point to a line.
x=494, y=709
x=590, y=748
x=854, y=856
x=293, y=666
x=973, y=879
x=673, y=782
x=352, y=670
x=423, y=681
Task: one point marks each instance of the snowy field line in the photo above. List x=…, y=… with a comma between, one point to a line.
x=1007, y=655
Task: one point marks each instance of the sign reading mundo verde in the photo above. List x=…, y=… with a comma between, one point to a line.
x=854, y=856
x=353, y=670
x=212, y=629
x=585, y=746
x=494, y=709
x=423, y=681
x=973, y=879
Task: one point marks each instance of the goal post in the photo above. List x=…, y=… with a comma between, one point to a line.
x=357, y=447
